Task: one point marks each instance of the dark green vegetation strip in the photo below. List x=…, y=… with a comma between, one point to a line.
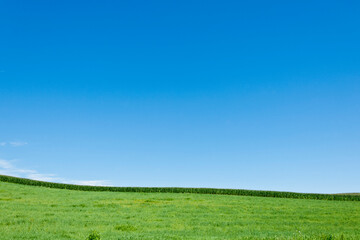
x=240, y=192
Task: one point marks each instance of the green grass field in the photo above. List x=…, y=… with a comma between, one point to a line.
x=33, y=212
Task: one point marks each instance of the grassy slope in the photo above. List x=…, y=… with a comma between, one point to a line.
x=30, y=212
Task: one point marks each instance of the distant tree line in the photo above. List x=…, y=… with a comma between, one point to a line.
x=239, y=192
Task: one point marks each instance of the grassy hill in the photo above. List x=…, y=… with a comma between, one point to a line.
x=33, y=212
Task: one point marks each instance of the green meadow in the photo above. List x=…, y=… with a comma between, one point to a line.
x=33, y=212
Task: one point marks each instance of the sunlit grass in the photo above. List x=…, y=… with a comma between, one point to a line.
x=28, y=212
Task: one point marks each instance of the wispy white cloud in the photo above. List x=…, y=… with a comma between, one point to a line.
x=18, y=144
x=13, y=143
x=90, y=183
x=4, y=164
x=8, y=168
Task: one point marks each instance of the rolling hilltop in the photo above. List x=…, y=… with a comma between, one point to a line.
x=34, y=212
x=239, y=192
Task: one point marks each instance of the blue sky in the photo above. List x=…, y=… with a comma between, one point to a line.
x=227, y=94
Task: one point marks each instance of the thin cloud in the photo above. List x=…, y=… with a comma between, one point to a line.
x=8, y=168
x=90, y=183
x=18, y=144
x=4, y=164
x=13, y=143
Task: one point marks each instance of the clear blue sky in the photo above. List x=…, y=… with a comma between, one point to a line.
x=228, y=94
